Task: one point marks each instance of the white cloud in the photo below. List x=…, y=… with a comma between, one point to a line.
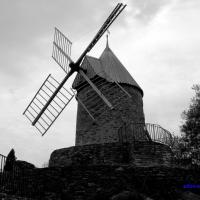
x=158, y=42
x=165, y=61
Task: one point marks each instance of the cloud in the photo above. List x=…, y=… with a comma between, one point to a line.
x=162, y=55
x=27, y=31
x=144, y=11
x=147, y=9
x=157, y=41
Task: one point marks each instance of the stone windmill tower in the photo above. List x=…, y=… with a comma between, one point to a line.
x=97, y=126
x=119, y=87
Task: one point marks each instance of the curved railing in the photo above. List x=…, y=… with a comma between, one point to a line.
x=159, y=134
x=144, y=132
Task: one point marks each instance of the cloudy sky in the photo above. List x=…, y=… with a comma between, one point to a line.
x=157, y=40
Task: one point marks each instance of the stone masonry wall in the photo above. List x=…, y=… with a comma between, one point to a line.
x=94, y=182
x=105, y=130
x=139, y=154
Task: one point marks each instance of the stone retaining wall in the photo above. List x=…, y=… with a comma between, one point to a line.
x=138, y=153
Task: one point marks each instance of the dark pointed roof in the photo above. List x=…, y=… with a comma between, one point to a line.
x=109, y=64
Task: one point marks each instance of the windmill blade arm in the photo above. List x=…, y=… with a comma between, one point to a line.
x=82, y=104
x=114, y=14
x=48, y=103
x=96, y=89
x=36, y=93
x=62, y=50
x=52, y=97
x=46, y=117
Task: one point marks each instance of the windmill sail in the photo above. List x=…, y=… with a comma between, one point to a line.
x=53, y=110
x=61, y=54
x=93, y=103
x=62, y=50
x=114, y=14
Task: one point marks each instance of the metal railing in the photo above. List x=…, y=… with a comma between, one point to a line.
x=159, y=134
x=2, y=164
x=133, y=132
x=144, y=132
x=17, y=181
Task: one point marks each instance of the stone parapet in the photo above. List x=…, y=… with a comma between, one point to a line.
x=138, y=153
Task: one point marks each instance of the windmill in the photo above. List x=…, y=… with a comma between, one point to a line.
x=52, y=97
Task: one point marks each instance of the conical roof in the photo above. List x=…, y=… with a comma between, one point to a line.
x=111, y=67
x=115, y=69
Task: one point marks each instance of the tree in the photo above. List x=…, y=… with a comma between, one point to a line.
x=10, y=161
x=191, y=126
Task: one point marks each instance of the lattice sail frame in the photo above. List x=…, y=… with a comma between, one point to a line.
x=54, y=109
x=62, y=50
x=92, y=102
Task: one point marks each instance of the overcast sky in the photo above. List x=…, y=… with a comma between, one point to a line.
x=158, y=41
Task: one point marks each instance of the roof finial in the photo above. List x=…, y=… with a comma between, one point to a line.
x=108, y=33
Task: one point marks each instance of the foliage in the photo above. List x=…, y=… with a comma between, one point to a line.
x=191, y=127
x=180, y=150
